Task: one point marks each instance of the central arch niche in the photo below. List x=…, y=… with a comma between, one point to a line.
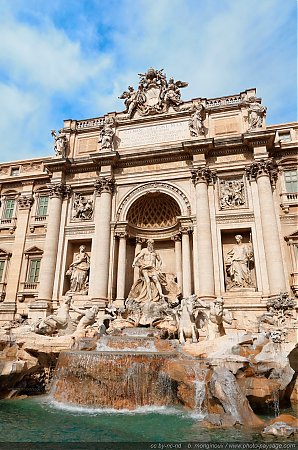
x=153, y=211
x=154, y=215
x=158, y=211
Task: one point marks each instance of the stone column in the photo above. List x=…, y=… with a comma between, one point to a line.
x=178, y=258
x=265, y=173
x=136, y=270
x=100, y=254
x=201, y=177
x=121, y=272
x=186, y=262
x=24, y=206
x=49, y=258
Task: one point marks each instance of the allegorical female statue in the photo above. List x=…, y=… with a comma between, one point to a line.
x=238, y=262
x=79, y=272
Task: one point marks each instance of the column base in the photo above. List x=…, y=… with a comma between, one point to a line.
x=7, y=311
x=101, y=302
x=207, y=298
x=38, y=310
x=119, y=302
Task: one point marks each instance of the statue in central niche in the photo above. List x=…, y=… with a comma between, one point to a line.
x=149, y=263
x=154, y=294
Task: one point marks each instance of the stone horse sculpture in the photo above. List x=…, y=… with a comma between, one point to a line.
x=186, y=321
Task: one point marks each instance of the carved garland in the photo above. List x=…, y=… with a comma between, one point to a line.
x=155, y=186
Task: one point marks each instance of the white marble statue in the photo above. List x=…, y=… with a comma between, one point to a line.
x=79, y=272
x=149, y=263
x=215, y=318
x=56, y=322
x=186, y=320
x=238, y=263
x=107, y=134
x=154, y=94
x=256, y=113
x=196, y=122
x=60, y=142
x=87, y=318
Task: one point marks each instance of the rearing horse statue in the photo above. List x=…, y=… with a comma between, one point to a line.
x=186, y=322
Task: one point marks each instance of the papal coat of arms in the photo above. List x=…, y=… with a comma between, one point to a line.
x=155, y=94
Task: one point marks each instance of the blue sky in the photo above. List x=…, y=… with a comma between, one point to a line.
x=62, y=59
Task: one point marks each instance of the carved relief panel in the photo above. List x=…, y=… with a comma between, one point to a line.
x=231, y=193
x=82, y=206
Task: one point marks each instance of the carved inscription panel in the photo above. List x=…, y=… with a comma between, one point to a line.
x=153, y=134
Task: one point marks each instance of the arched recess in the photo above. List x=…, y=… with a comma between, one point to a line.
x=155, y=187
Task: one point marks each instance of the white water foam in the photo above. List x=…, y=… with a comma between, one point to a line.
x=103, y=347
x=165, y=410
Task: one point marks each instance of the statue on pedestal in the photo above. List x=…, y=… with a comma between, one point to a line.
x=79, y=272
x=150, y=283
x=238, y=265
x=153, y=296
x=196, y=123
x=107, y=134
x=256, y=112
x=60, y=143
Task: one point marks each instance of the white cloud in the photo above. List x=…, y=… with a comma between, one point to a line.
x=73, y=60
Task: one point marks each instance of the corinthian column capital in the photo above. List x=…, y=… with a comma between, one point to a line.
x=25, y=201
x=104, y=184
x=264, y=167
x=203, y=175
x=58, y=190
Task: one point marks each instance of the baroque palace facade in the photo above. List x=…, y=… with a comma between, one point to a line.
x=207, y=180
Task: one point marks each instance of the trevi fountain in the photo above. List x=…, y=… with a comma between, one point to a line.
x=148, y=280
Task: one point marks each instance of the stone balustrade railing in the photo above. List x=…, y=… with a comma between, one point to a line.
x=90, y=123
x=2, y=290
x=29, y=286
x=288, y=199
x=216, y=102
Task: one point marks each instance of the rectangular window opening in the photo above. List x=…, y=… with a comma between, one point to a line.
x=291, y=179
x=8, y=209
x=42, y=208
x=33, y=272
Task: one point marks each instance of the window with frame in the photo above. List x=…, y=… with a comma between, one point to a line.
x=15, y=171
x=285, y=136
x=33, y=271
x=291, y=180
x=2, y=265
x=42, y=207
x=8, y=208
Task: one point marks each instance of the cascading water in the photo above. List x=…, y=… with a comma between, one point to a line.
x=200, y=389
x=113, y=379
x=276, y=408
